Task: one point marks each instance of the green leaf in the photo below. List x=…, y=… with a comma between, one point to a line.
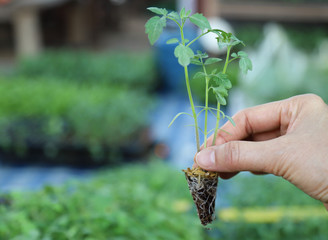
x=231, y=120
x=184, y=54
x=225, y=131
x=222, y=79
x=186, y=41
x=234, y=55
x=160, y=11
x=175, y=16
x=199, y=76
x=221, y=90
x=195, y=61
x=178, y=115
x=242, y=54
x=172, y=41
x=200, y=54
x=221, y=99
x=245, y=64
x=212, y=60
x=183, y=13
x=222, y=44
x=220, y=93
x=200, y=21
x=154, y=28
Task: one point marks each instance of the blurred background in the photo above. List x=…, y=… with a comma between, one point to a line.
x=85, y=101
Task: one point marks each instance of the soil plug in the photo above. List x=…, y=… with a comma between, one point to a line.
x=202, y=185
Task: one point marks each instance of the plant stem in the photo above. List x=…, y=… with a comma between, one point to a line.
x=194, y=40
x=218, y=118
x=206, y=105
x=190, y=94
x=227, y=60
x=192, y=107
x=217, y=124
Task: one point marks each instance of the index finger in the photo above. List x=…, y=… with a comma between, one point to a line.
x=260, y=119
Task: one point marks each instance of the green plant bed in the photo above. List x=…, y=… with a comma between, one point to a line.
x=133, y=70
x=53, y=114
x=269, y=208
x=136, y=202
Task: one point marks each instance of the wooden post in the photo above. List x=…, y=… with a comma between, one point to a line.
x=78, y=26
x=210, y=8
x=27, y=31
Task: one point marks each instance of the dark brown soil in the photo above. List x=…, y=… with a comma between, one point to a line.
x=203, y=185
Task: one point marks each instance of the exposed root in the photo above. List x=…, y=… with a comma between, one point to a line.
x=202, y=185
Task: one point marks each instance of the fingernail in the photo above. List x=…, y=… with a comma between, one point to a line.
x=206, y=158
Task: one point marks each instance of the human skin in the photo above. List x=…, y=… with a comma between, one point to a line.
x=287, y=138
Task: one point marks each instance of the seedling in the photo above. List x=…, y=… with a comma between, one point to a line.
x=202, y=184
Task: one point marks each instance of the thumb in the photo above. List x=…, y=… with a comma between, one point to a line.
x=238, y=156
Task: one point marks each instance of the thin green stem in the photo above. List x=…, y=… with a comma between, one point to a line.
x=207, y=80
x=174, y=21
x=194, y=40
x=232, y=59
x=192, y=107
x=218, y=106
x=190, y=94
x=227, y=60
x=217, y=124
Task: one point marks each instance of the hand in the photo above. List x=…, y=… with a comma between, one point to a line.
x=288, y=138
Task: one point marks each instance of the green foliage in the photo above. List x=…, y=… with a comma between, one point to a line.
x=199, y=88
x=200, y=21
x=184, y=54
x=258, y=192
x=76, y=100
x=245, y=63
x=217, y=81
x=107, y=69
x=136, y=202
x=154, y=28
x=53, y=113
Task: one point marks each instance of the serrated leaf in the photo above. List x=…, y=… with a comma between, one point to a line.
x=160, y=11
x=221, y=99
x=222, y=44
x=200, y=21
x=182, y=13
x=234, y=55
x=221, y=90
x=245, y=64
x=235, y=39
x=199, y=76
x=242, y=54
x=184, y=54
x=175, y=16
x=220, y=78
x=220, y=94
x=195, y=61
x=200, y=54
x=231, y=120
x=154, y=28
x=212, y=60
x=172, y=41
x=178, y=115
x=214, y=71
